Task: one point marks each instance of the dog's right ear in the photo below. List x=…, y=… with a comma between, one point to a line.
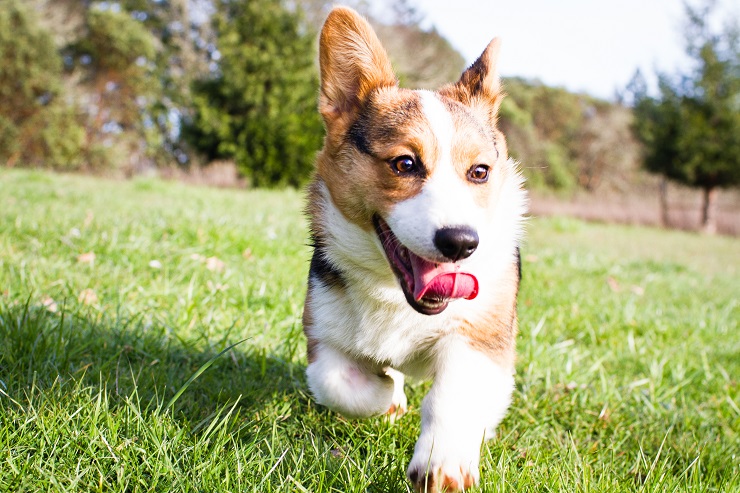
x=353, y=63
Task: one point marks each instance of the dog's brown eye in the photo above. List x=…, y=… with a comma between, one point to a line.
x=403, y=164
x=478, y=173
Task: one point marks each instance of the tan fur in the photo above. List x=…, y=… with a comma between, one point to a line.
x=356, y=76
x=351, y=67
x=494, y=331
x=480, y=85
x=479, y=89
x=361, y=184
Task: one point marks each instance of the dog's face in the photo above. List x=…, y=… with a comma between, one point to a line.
x=421, y=170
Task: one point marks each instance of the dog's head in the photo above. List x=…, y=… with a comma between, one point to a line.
x=422, y=170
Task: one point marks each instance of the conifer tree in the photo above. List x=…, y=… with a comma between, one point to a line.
x=36, y=126
x=258, y=106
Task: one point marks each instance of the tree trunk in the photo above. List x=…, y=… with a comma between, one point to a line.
x=663, y=192
x=709, y=211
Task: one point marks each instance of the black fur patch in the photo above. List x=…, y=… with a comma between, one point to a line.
x=357, y=136
x=323, y=270
x=378, y=122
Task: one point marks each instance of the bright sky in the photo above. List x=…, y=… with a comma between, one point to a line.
x=585, y=45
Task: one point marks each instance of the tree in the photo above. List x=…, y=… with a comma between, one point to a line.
x=259, y=106
x=183, y=32
x=606, y=150
x=112, y=62
x=36, y=126
x=691, y=131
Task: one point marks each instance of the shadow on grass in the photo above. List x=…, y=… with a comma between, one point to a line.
x=126, y=356
x=49, y=357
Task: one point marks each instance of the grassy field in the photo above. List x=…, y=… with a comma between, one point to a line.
x=150, y=340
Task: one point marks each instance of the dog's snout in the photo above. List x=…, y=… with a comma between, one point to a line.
x=457, y=242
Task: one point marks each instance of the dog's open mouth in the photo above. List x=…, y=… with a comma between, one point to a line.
x=428, y=286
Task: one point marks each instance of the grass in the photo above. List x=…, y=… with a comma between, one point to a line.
x=150, y=340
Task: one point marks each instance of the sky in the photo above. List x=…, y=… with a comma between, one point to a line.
x=586, y=46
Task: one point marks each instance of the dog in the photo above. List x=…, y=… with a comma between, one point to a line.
x=416, y=215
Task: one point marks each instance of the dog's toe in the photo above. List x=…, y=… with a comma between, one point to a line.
x=441, y=480
x=395, y=412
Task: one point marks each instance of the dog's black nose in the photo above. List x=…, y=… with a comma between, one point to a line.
x=456, y=242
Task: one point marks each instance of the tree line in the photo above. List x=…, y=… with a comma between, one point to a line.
x=130, y=85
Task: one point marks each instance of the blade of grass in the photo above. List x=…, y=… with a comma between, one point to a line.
x=199, y=372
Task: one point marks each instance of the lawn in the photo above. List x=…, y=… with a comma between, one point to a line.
x=150, y=340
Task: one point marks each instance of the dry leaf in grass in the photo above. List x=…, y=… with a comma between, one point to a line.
x=155, y=264
x=89, y=216
x=87, y=297
x=247, y=253
x=215, y=264
x=86, y=258
x=638, y=290
x=198, y=257
x=49, y=303
x=613, y=284
x=216, y=287
x=532, y=258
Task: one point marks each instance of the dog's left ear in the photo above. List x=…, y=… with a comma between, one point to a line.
x=352, y=62
x=480, y=84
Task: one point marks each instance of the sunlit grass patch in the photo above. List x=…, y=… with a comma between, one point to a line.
x=150, y=340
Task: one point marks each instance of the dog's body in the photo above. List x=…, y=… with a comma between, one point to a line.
x=416, y=215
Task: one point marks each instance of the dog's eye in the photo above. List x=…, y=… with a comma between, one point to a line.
x=478, y=173
x=403, y=164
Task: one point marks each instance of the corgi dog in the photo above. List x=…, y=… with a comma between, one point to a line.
x=416, y=215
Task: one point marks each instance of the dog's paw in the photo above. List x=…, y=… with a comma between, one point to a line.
x=395, y=412
x=445, y=477
x=444, y=465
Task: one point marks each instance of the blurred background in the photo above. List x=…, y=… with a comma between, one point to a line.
x=623, y=112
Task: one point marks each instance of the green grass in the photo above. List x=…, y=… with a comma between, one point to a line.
x=627, y=378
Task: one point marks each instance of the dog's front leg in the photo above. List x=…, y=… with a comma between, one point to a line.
x=352, y=387
x=468, y=398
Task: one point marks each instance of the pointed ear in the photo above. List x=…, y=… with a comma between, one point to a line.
x=480, y=82
x=353, y=63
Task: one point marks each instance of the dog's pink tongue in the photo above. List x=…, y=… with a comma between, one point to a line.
x=443, y=281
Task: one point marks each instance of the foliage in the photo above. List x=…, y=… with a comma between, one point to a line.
x=626, y=371
x=116, y=42
x=185, y=46
x=31, y=66
x=34, y=120
x=148, y=83
x=421, y=58
x=691, y=130
x=112, y=60
x=259, y=107
x=606, y=149
x=565, y=140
